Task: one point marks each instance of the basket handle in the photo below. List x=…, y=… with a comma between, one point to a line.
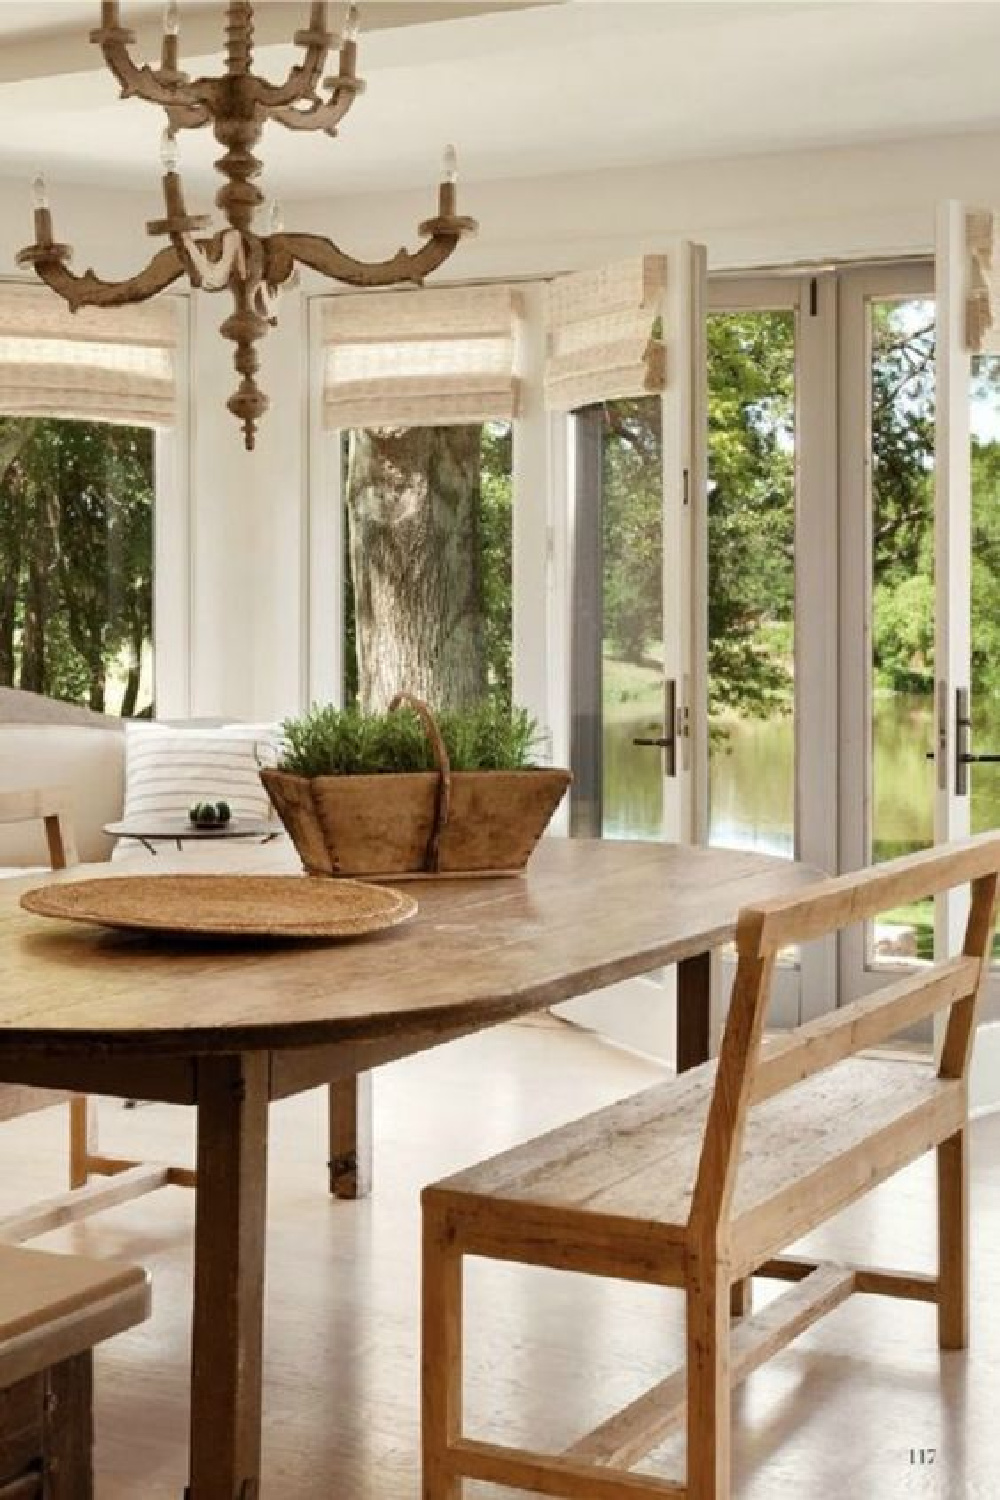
x=439, y=751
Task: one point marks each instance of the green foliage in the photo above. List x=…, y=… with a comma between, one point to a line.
x=751, y=512
x=491, y=737
x=328, y=741
x=903, y=634
x=902, y=428
x=632, y=527
x=751, y=410
x=496, y=533
x=76, y=537
x=986, y=545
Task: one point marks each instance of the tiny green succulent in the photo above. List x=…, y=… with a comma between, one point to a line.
x=210, y=814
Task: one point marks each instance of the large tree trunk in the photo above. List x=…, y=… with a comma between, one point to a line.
x=413, y=502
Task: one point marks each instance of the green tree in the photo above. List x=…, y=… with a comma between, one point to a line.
x=76, y=533
x=751, y=511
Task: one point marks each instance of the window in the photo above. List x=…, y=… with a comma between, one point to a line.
x=422, y=389
x=82, y=396
x=76, y=548
x=427, y=563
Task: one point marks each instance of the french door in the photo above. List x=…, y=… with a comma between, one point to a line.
x=636, y=472
x=838, y=700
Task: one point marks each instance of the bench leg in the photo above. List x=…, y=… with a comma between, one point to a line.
x=69, y=1429
x=82, y=1138
x=953, y=1242
x=708, y=1384
x=441, y=1359
x=351, y=1137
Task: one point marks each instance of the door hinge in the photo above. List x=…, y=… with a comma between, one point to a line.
x=813, y=296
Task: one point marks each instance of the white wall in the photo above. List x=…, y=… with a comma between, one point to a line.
x=248, y=513
x=750, y=210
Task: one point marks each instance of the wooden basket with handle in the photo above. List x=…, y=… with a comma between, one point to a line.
x=437, y=822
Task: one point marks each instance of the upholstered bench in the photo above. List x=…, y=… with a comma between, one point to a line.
x=53, y=1310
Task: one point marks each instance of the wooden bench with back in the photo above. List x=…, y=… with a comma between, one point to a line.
x=702, y=1182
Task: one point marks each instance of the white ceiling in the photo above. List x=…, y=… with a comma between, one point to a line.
x=523, y=92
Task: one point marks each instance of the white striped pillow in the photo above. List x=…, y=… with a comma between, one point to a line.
x=167, y=769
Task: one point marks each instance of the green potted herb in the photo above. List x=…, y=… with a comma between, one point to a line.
x=405, y=792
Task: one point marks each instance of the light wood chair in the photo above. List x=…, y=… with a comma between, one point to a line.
x=53, y=1310
x=51, y=806
x=701, y=1182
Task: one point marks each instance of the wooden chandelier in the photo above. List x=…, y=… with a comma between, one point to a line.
x=252, y=267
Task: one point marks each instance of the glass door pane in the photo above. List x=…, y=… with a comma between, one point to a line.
x=902, y=414
x=619, y=691
x=751, y=579
x=632, y=678
x=984, y=776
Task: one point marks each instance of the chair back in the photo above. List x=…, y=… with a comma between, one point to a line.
x=50, y=806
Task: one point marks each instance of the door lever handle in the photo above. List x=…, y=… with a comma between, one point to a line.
x=666, y=742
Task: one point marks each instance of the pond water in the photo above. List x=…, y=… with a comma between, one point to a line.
x=752, y=778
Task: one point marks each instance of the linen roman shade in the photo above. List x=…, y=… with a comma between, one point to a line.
x=106, y=364
x=427, y=358
x=603, y=333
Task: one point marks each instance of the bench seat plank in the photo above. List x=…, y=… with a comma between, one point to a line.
x=637, y=1160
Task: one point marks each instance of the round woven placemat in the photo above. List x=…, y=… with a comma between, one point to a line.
x=226, y=905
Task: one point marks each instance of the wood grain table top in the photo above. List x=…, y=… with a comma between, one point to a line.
x=588, y=914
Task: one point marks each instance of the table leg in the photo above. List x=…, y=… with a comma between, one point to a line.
x=351, y=1137
x=694, y=1010
x=229, y=1277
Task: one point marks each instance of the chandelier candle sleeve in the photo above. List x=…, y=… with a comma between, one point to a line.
x=253, y=269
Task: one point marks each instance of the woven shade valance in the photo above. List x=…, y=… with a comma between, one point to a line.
x=114, y=365
x=602, y=334
x=421, y=359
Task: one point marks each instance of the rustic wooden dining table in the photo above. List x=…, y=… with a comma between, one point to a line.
x=231, y=1027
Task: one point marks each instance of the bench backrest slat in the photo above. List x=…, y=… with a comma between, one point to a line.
x=748, y=1075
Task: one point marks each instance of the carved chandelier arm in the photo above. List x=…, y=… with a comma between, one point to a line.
x=304, y=77
x=89, y=290
x=321, y=114
x=284, y=250
x=188, y=103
